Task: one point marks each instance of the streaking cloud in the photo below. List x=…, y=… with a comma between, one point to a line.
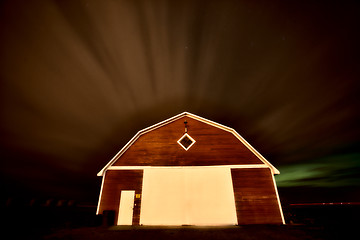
x=80, y=78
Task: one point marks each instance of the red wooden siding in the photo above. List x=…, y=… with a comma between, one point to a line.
x=114, y=183
x=255, y=197
x=213, y=146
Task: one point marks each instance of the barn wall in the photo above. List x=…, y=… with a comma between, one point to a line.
x=114, y=183
x=213, y=146
x=255, y=197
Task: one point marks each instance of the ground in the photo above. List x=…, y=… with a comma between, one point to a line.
x=52, y=220
x=288, y=232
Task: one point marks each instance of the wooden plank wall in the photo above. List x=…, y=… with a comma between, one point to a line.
x=255, y=197
x=213, y=146
x=116, y=181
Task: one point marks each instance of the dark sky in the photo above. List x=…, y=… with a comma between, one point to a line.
x=80, y=78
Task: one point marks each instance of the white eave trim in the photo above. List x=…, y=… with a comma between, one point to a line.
x=178, y=167
x=169, y=120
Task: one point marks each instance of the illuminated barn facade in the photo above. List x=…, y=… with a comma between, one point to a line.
x=188, y=170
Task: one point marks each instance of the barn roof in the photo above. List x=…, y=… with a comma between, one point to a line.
x=187, y=114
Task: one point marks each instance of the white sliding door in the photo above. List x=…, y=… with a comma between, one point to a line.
x=188, y=196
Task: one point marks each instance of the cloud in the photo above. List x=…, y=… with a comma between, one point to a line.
x=80, y=78
x=331, y=171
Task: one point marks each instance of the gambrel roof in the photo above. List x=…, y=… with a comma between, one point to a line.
x=195, y=117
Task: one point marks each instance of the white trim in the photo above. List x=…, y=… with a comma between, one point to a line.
x=133, y=139
x=238, y=136
x=100, y=195
x=192, y=141
x=278, y=199
x=167, y=121
x=214, y=166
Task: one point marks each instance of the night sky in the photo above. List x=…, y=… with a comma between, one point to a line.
x=79, y=78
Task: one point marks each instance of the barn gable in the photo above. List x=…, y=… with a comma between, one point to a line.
x=208, y=144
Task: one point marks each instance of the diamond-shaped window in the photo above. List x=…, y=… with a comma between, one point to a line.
x=186, y=141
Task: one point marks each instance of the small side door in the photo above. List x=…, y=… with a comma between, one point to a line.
x=126, y=207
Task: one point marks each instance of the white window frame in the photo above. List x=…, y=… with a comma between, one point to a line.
x=186, y=135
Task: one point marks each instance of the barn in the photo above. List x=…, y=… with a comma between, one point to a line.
x=188, y=170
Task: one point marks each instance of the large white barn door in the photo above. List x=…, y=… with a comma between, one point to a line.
x=188, y=196
x=126, y=207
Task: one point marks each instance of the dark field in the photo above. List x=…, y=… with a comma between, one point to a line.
x=236, y=232
x=68, y=220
